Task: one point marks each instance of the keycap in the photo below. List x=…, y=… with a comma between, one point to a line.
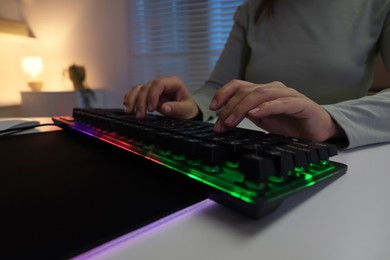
x=257, y=168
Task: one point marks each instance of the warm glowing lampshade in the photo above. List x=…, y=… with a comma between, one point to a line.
x=33, y=67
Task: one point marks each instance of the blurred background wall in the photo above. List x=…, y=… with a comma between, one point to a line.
x=91, y=33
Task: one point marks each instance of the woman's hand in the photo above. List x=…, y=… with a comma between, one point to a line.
x=275, y=108
x=167, y=95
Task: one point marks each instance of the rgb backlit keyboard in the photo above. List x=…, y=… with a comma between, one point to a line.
x=246, y=170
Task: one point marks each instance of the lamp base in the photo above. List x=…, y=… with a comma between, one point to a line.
x=35, y=85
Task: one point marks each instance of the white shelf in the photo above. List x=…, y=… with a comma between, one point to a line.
x=42, y=104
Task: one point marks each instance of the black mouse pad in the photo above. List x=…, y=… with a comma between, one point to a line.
x=63, y=193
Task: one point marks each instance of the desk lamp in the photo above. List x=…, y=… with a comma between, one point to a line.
x=33, y=68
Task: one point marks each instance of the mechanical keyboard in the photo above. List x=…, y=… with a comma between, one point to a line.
x=246, y=170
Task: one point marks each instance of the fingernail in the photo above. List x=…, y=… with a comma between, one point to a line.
x=254, y=111
x=213, y=104
x=167, y=109
x=150, y=108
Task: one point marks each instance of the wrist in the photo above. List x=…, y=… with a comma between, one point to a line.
x=198, y=116
x=336, y=131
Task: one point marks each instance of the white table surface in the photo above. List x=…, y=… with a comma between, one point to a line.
x=346, y=220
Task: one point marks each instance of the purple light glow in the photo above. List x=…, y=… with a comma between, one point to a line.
x=152, y=227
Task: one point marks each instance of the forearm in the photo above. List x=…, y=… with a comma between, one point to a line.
x=231, y=64
x=363, y=121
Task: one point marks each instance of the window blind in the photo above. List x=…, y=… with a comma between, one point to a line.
x=178, y=37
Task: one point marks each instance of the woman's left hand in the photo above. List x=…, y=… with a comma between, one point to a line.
x=275, y=108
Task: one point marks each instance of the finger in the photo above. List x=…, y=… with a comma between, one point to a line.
x=140, y=101
x=186, y=109
x=226, y=92
x=232, y=114
x=170, y=87
x=292, y=106
x=130, y=98
x=228, y=117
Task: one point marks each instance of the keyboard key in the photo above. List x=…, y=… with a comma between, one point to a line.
x=211, y=154
x=257, y=168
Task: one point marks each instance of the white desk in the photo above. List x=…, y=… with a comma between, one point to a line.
x=346, y=220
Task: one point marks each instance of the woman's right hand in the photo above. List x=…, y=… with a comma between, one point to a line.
x=167, y=95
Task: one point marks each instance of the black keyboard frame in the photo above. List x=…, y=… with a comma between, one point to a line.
x=251, y=199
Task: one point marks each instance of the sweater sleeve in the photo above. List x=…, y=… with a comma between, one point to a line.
x=231, y=64
x=367, y=120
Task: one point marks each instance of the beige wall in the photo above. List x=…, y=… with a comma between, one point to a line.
x=92, y=33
